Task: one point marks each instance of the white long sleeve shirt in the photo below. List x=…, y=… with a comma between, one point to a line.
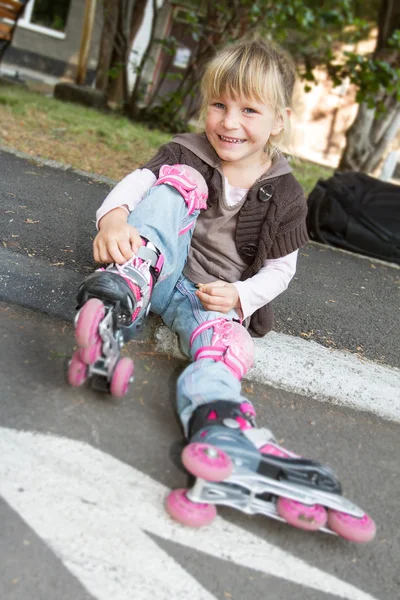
x=271, y=280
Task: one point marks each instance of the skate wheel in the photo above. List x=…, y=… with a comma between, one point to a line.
x=121, y=377
x=302, y=516
x=77, y=370
x=91, y=354
x=207, y=462
x=87, y=325
x=354, y=529
x=183, y=510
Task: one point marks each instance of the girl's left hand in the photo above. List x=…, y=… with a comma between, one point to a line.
x=218, y=296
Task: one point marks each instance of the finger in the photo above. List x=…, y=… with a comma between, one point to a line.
x=104, y=257
x=100, y=253
x=217, y=308
x=209, y=298
x=218, y=283
x=135, y=240
x=115, y=253
x=125, y=249
x=212, y=290
x=219, y=303
x=136, y=243
x=96, y=256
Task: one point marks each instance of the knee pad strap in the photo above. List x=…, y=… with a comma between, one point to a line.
x=189, y=183
x=231, y=343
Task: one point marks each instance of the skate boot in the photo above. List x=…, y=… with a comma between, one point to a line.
x=113, y=304
x=241, y=466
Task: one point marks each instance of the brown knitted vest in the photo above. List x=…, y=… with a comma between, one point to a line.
x=271, y=223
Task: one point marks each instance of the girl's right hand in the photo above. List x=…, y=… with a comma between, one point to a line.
x=117, y=241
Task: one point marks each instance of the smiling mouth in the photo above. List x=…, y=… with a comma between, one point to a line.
x=231, y=140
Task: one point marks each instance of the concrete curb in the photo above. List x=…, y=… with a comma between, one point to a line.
x=309, y=369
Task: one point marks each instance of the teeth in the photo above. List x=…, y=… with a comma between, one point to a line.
x=233, y=140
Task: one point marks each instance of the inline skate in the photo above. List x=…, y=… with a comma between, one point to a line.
x=113, y=303
x=241, y=466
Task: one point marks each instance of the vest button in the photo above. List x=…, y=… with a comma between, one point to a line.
x=265, y=192
x=249, y=249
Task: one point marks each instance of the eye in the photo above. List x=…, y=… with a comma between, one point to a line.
x=218, y=105
x=249, y=111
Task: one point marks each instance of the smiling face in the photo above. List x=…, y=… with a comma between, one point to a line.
x=238, y=129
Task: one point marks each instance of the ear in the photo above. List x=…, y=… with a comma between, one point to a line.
x=279, y=121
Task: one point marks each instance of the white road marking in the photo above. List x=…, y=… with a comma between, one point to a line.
x=94, y=512
x=309, y=369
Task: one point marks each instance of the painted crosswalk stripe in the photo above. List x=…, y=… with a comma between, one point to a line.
x=95, y=511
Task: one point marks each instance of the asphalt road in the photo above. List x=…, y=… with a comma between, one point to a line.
x=140, y=433
x=337, y=299
x=81, y=506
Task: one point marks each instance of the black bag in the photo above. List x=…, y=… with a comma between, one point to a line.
x=358, y=213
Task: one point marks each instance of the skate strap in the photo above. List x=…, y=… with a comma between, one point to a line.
x=227, y=355
x=224, y=413
x=201, y=328
x=229, y=344
x=152, y=255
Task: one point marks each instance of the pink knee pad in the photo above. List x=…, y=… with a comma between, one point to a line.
x=189, y=183
x=230, y=342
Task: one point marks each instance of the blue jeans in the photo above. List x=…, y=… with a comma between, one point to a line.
x=160, y=217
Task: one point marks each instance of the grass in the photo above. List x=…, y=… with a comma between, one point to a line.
x=103, y=143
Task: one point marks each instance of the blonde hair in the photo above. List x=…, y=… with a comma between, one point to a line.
x=255, y=70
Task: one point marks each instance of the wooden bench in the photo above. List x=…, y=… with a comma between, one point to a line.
x=10, y=12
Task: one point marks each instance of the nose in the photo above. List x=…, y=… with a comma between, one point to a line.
x=230, y=120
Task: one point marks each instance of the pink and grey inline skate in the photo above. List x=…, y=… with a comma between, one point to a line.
x=112, y=306
x=238, y=465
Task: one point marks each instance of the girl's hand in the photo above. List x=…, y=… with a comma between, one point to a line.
x=218, y=296
x=116, y=241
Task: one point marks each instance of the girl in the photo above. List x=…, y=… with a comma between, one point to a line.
x=210, y=275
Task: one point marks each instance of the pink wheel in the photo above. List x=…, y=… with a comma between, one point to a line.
x=310, y=518
x=92, y=353
x=121, y=377
x=77, y=370
x=207, y=462
x=89, y=319
x=193, y=514
x=354, y=529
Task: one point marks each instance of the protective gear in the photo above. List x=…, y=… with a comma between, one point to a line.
x=230, y=343
x=189, y=183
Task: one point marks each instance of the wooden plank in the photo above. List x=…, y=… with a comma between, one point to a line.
x=6, y=13
x=5, y=31
x=12, y=5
